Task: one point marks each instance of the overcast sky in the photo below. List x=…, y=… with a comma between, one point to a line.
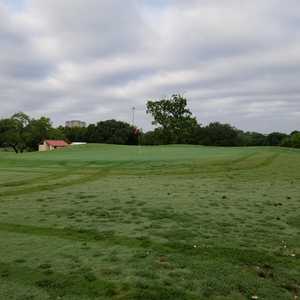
x=236, y=61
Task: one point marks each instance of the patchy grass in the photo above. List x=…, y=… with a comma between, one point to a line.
x=171, y=222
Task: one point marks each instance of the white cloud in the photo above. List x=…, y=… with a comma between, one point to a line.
x=236, y=61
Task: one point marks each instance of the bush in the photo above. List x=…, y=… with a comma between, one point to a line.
x=292, y=141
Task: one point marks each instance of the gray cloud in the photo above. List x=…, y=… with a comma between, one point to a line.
x=236, y=61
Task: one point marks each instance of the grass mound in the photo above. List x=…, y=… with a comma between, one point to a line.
x=167, y=222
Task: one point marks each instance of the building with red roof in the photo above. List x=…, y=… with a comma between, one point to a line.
x=50, y=145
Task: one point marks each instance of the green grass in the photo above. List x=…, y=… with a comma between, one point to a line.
x=144, y=223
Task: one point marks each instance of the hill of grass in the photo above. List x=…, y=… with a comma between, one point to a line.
x=167, y=222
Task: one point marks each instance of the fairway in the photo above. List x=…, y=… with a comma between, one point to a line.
x=150, y=223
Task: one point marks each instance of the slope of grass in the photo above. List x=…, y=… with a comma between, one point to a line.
x=169, y=222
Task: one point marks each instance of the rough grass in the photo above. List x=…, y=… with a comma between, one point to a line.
x=172, y=222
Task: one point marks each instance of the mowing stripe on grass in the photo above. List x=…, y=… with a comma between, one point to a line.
x=159, y=170
x=180, y=248
x=82, y=235
x=50, y=187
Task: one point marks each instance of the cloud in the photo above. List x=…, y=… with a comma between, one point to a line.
x=235, y=61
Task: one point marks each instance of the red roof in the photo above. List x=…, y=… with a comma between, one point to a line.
x=56, y=143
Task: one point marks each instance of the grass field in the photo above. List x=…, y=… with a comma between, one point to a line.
x=170, y=222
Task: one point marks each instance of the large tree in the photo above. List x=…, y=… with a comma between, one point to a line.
x=174, y=117
x=217, y=134
x=9, y=134
x=14, y=133
x=275, y=138
x=21, y=133
x=37, y=131
x=75, y=134
x=292, y=141
x=112, y=132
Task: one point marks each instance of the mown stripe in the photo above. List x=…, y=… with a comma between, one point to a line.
x=109, y=238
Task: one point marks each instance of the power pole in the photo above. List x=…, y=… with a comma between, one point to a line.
x=133, y=112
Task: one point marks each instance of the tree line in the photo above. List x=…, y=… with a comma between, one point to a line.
x=175, y=124
x=22, y=133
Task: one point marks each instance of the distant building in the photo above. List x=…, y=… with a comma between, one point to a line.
x=50, y=145
x=78, y=143
x=75, y=123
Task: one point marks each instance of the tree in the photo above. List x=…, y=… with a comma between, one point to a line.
x=252, y=139
x=21, y=133
x=292, y=141
x=14, y=132
x=175, y=119
x=37, y=131
x=75, y=134
x=112, y=132
x=217, y=134
x=275, y=138
x=9, y=134
x=155, y=137
x=21, y=119
x=295, y=140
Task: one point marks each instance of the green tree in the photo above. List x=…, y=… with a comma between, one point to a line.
x=111, y=132
x=252, y=139
x=37, y=131
x=155, y=137
x=9, y=134
x=75, y=134
x=175, y=119
x=217, y=134
x=275, y=138
x=292, y=141
x=21, y=133
x=14, y=133
x=296, y=140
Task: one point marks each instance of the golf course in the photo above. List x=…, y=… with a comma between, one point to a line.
x=173, y=222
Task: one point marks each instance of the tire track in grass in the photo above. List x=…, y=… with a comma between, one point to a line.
x=268, y=161
x=109, y=238
x=23, y=182
x=196, y=167
x=264, y=163
x=190, y=169
x=51, y=175
x=181, y=168
x=80, y=235
x=86, y=175
x=84, y=178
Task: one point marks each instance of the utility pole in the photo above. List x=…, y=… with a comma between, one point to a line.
x=133, y=112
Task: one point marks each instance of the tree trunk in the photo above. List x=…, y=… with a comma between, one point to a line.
x=15, y=148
